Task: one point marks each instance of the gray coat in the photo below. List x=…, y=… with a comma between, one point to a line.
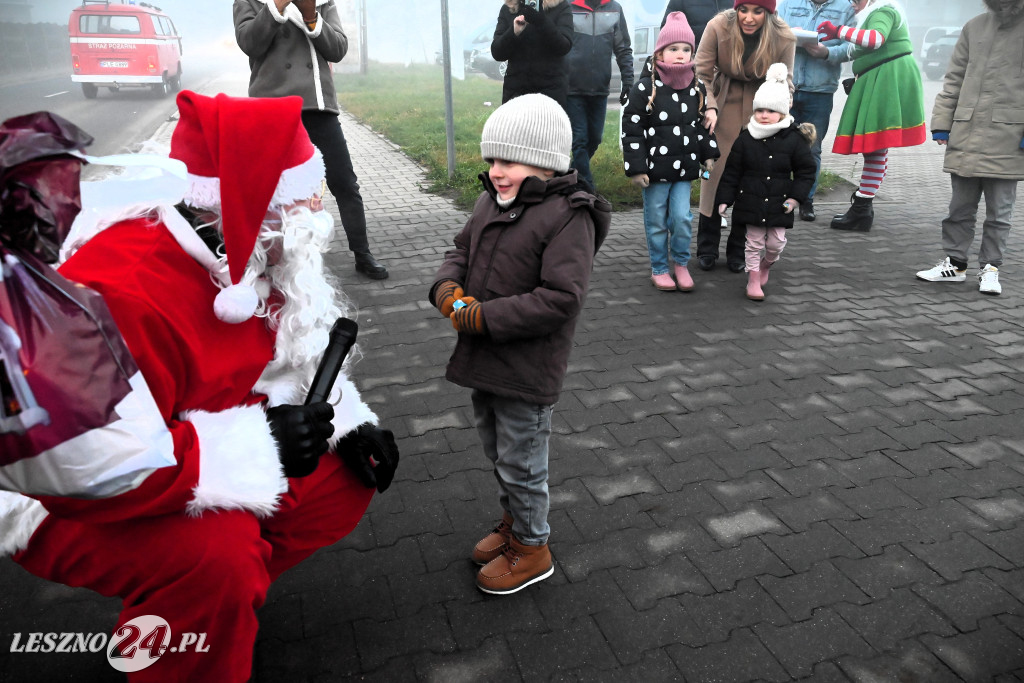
x=982, y=99
x=286, y=58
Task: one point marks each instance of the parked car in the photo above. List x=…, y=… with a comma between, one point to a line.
x=937, y=60
x=933, y=34
x=115, y=46
x=476, y=54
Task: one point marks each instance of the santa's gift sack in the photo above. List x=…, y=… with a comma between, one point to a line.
x=77, y=419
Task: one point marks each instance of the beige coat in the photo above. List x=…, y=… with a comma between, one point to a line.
x=731, y=93
x=982, y=99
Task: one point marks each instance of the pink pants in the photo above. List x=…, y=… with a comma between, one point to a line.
x=204, y=574
x=771, y=240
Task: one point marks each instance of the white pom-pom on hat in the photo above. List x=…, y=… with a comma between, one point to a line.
x=236, y=304
x=774, y=92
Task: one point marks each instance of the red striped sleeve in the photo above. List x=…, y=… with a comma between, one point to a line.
x=870, y=39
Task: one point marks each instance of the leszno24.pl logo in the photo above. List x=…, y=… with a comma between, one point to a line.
x=134, y=646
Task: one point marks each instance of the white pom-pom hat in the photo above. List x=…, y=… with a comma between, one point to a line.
x=244, y=155
x=774, y=92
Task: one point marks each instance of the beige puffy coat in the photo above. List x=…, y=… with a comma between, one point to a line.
x=982, y=99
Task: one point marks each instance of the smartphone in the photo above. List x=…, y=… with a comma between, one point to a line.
x=535, y=4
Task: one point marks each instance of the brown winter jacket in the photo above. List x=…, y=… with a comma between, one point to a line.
x=732, y=93
x=529, y=265
x=982, y=99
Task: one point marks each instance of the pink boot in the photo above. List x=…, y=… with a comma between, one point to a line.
x=765, y=265
x=683, y=280
x=664, y=282
x=754, y=292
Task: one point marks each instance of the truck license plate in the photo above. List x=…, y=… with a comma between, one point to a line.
x=114, y=64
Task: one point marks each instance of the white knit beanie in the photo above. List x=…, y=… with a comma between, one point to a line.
x=774, y=92
x=529, y=129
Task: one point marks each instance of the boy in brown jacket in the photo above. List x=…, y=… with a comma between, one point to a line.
x=513, y=287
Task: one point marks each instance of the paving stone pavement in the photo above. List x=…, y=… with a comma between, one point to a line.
x=827, y=485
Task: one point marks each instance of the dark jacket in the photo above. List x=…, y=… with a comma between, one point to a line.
x=280, y=50
x=760, y=175
x=667, y=142
x=599, y=34
x=529, y=265
x=536, y=57
x=698, y=13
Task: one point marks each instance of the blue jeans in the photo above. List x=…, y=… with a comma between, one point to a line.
x=668, y=223
x=515, y=438
x=587, y=115
x=816, y=108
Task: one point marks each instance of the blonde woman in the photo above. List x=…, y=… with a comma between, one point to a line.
x=734, y=54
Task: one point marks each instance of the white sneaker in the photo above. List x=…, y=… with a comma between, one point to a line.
x=943, y=271
x=988, y=280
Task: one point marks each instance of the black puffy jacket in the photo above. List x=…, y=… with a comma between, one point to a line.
x=536, y=57
x=760, y=175
x=667, y=142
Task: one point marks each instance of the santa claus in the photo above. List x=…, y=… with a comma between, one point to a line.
x=224, y=304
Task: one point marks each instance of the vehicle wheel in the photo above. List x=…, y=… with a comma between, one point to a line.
x=162, y=88
x=935, y=74
x=90, y=91
x=176, y=81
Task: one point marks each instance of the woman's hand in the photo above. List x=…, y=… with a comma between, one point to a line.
x=711, y=120
x=518, y=24
x=722, y=208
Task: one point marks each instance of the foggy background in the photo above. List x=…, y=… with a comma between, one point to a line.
x=406, y=31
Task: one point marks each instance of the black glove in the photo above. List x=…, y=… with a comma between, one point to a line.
x=371, y=453
x=624, y=95
x=301, y=433
x=532, y=16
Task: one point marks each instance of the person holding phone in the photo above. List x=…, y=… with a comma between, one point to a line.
x=291, y=45
x=534, y=36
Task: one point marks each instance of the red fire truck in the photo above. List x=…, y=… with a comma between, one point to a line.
x=124, y=45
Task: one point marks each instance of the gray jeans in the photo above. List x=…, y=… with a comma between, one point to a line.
x=958, y=227
x=515, y=438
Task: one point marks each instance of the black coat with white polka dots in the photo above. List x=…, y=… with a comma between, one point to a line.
x=667, y=141
x=760, y=175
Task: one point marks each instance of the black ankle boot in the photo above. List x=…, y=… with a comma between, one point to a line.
x=368, y=266
x=859, y=216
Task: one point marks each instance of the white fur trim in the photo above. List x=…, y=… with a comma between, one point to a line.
x=296, y=183
x=862, y=16
x=349, y=409
x=239, y=468
x=20, y=516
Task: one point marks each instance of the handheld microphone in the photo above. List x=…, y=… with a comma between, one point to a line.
x=343, y=336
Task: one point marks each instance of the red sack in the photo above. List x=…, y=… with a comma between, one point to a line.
x=77, y=418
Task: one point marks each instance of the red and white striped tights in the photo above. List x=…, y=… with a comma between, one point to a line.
x=875, y=164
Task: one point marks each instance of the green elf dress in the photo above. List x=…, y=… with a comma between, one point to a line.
x=886, y=105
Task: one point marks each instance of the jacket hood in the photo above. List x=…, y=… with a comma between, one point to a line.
x=514, y=5
x=534, y=190
x=1007, y=12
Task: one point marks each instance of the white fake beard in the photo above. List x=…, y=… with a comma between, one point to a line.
x=311, y=303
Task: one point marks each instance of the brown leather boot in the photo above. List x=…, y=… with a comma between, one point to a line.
x=516, y=568
x=491, y=545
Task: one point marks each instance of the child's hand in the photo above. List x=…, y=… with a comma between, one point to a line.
x=790, y=205
x=445, y=295
x=641, y=180
x=469, y=318
x=710, y=165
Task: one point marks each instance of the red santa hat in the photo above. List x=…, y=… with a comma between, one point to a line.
x=244, y=155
